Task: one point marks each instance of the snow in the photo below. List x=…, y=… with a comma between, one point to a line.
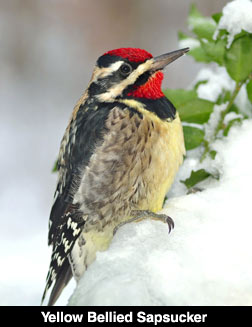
x=231, y=116
x=217, y=81
x=189, y=43
x=243, y=102
x=213, y=120
x=237, y=16
x=206, y=260
x=197, y=21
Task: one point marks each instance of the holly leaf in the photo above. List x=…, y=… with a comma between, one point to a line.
x=238, y=58
x=193, y=137
x=249, y=90
x=195, y=110
x=197, y=176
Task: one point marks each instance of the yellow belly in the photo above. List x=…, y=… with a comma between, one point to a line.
x=166, y=148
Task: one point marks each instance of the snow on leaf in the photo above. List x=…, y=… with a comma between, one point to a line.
x=230, y=124
x=237, y=16
x=203, y=27
x=218, y=81
x=187, y=41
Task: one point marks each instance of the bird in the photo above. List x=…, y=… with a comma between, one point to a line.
x=118, y=158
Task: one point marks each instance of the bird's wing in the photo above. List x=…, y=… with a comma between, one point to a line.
x=84, y=133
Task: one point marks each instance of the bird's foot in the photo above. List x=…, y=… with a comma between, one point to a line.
x=145, y=214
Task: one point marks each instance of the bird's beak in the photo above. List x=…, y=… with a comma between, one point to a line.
x=162, y=61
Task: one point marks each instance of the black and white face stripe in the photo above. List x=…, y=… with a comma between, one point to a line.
x=107, y=60
x=111, y=78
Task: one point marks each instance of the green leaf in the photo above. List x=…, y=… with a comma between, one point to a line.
x=215, y=50
x=222, y=34
x=199, y=54
x=180, y=96
x=249, y=90
x=196, y=177
x=203, y=27
x=234, y=108
x=212, y=154
x=55, y=167
x=195, y=111
x=230, y=124
x=223, y=97
x=199, y=83
x=193, y=137
x=216, y=17
x=196, y=51
x=191, y=109
x=242, y=33
x=182, y=36
x=238, y=59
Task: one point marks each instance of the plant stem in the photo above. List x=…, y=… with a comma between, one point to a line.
x=229, y=105
x=222, y=116
x=206, y=150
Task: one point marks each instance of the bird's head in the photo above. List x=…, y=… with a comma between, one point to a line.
x=130, y=72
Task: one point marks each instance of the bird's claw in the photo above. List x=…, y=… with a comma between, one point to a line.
x=164, y=218
x=143, y=214
x=170, y=223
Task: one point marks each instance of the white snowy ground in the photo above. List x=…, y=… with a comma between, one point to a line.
x=206, y=260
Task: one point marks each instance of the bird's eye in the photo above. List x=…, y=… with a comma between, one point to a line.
x=125, y=69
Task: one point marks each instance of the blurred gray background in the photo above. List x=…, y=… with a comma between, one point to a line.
x=47, y=52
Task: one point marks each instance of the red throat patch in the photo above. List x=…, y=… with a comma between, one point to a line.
x=151, y=89
x=132, y=54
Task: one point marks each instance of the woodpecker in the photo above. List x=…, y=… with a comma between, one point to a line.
x=117, y=160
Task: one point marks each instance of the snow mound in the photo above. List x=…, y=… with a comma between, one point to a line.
x=206, y=260
x=237, y=16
